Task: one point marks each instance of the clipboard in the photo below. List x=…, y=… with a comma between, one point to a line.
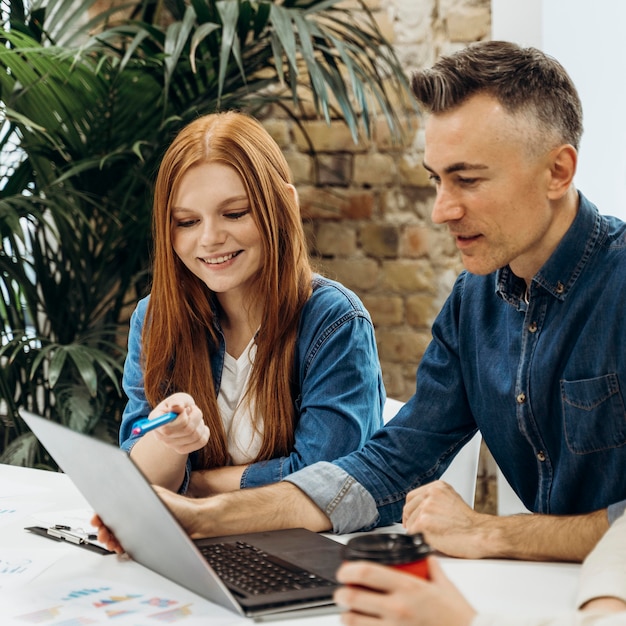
x=78, y=538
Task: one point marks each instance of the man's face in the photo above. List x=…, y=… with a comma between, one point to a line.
x=492, y=190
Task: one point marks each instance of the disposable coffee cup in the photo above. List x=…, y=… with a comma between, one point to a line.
x=402, y=552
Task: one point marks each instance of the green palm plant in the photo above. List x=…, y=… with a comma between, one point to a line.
x=89, y=105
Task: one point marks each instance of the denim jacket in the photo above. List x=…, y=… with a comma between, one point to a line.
x=545, y=383
x=340, y=393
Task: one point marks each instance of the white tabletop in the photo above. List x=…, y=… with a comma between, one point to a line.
x=40, y=578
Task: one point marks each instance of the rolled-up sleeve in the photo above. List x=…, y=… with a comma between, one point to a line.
x=347, y=504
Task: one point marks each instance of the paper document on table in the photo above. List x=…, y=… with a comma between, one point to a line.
x=13, y=488
x=75, y=518
x=98, y=601
x=14, y=510
x=19, y=566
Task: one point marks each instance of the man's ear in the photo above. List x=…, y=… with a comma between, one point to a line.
x=294, y=192
x=562, y=169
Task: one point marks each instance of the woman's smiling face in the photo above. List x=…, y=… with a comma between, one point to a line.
x=213, y=231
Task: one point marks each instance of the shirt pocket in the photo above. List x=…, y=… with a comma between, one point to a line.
x=593, y=413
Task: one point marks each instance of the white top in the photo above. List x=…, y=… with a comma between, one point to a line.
x=243, y=436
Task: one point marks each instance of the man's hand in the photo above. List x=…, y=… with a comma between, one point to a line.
x=452, y=527
x=190, y=513
x=448, y=524
x=376, y=594
x=183, y=508
x=273, y=507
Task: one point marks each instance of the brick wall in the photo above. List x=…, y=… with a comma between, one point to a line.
x=366, y=206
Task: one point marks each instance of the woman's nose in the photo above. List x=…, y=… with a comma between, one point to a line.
x=212, y=232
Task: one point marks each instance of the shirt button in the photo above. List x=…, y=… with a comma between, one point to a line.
x=532, y=327
x=541, y=456
x=521, y=398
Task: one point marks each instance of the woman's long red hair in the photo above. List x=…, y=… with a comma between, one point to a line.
x=179, y=334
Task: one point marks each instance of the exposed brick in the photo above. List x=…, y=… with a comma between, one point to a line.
x=468, y=23
x=380, y=240
x=360, y=206
x=336, y=238
x=386, y=26
x=333, y=137
x=385, y=310
x=316, y=203
x=334, y=169
x=301, y=166
x=333, y=203
x=279, y=130
x=414, y=241
x=387, y=142
x=402, y=346
x=409, y=204
x=357, y=274
x=374, y=169
x=404, y=276
x=421, y=310
x=412, y=171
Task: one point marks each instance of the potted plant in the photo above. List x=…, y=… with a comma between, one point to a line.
x=90, y=100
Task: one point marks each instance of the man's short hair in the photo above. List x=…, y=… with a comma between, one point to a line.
x=523, y=80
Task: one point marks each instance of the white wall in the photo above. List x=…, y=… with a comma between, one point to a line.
x=587, y=37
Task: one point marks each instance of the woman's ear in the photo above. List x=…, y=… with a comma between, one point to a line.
x=562, y=170
x=294, y=192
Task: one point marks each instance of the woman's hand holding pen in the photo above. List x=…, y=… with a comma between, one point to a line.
x=162, y=453
x=188, y=432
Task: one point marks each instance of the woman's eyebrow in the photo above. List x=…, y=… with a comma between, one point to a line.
x=221, y=205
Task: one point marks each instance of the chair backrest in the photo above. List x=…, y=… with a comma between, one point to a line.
x=509, y=502
x=391, y=408
x=463, y=471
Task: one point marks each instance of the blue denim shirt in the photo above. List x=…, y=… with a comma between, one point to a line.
x=544, y=383
x=340, y=392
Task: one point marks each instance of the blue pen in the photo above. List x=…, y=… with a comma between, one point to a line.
x=146, y=425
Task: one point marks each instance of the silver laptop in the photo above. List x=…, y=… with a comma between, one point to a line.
x=120, y=494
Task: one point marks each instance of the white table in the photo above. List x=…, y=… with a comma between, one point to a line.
x=27, y=496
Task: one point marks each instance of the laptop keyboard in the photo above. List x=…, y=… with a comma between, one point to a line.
x=255, y=572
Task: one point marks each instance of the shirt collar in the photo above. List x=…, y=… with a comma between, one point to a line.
x=560, y=271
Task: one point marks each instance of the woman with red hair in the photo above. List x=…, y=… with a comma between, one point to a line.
x=268, y=366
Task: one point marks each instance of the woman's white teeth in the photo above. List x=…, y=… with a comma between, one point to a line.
x=220, y=259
